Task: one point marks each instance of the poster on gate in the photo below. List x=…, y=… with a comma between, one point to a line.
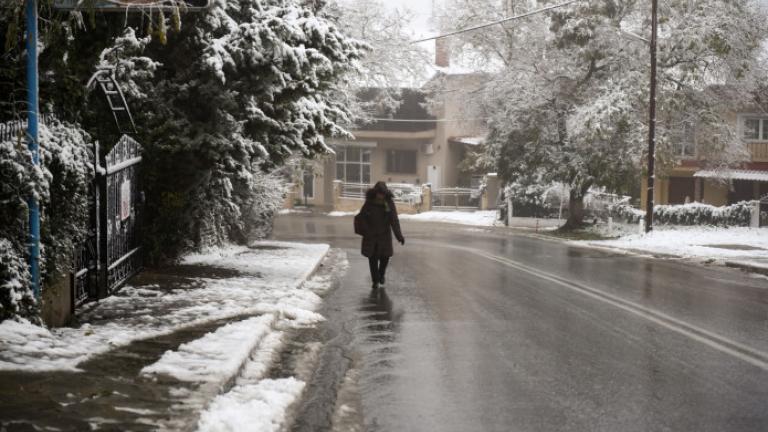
x=125, y=200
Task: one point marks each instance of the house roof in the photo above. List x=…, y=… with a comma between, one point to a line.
x=410, y=116
x=734, y=174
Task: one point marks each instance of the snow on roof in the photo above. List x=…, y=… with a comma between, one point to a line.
x=472, y=141
x=736, y=174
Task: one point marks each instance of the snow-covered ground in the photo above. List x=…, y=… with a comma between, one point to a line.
x=475, y=218
x=259, y=293
x=728, y=244
x=268, y=279
x=342, y=213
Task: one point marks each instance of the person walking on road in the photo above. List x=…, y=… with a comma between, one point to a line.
x=376, y=222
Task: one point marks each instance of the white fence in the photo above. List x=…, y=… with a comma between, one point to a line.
x=456, y=198
x=403, y=192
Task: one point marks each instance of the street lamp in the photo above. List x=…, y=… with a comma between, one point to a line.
x=652, y=122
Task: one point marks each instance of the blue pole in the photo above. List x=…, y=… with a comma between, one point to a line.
x=33, y=146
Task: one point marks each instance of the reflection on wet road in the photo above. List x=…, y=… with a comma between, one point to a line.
x=480, y=330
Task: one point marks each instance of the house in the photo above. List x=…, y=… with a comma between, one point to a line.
x=408, y=149
x=691, y=181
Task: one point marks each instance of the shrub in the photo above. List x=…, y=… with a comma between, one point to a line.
x=738, y=214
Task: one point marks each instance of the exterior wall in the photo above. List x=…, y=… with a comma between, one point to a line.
x=660, y=191
x=379, y=161
x=322, y=185
x=705, y=191
x=56, y=308
x=715, y=193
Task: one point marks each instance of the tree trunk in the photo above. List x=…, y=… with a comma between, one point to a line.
x=575, y=211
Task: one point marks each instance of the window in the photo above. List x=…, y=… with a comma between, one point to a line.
x=401, y=161
x=353, y=165
x=309, y=184
x=754, y=129
x=684, y=141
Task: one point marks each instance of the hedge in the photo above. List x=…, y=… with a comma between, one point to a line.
x=739, y=214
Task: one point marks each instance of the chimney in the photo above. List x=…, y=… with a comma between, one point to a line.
x=443, y=52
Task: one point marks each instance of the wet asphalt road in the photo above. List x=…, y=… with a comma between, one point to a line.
x=485, y=330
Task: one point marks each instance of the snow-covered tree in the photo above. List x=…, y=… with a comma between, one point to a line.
x=239, y=90
x=390, y=60
x=570, y=102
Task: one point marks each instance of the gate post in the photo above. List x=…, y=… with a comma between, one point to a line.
x=101, y=225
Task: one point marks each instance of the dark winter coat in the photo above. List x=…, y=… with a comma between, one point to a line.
x=379, y=222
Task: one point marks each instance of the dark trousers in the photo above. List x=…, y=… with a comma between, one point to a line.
x=378, y=266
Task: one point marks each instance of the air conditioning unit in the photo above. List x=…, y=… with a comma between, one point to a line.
x=428, y=148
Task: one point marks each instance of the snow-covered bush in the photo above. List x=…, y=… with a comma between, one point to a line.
x=236, y=207
x=738, y=214
x=61, y=186
x=18, y=180
x=16, y=299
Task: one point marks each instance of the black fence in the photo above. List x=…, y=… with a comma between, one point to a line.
x=17, y=129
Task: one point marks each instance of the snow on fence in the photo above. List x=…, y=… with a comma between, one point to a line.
x=456, y=198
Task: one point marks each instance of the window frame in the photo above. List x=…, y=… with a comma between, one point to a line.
x=398, y=170
x=762, y=130
x=681, y=143
x=361, y=161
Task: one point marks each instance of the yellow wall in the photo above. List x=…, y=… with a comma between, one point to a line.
x=715, y=193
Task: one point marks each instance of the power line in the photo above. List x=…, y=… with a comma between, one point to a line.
x=501, y=21
x=426, y=121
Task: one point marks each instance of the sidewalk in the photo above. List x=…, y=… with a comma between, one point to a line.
x=745, y=248
x=173, y=350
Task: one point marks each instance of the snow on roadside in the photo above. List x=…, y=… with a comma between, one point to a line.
x=259, y=406
x=217, y=356
x=270, y=280
x=695, y=242
x=475, y=218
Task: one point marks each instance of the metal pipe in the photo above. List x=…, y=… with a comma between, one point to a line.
x=33, y=144
x=649, y=204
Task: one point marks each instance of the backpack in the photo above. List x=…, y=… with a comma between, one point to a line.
x=360, y=224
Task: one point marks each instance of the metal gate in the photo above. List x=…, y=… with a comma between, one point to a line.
x=112, y=252
x=119, y=224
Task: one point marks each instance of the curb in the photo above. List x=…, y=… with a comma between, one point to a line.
x=752, y=268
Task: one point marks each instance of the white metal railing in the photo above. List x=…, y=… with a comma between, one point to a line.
x=403, y=192
x=457, y=198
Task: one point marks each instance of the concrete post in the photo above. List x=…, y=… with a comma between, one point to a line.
x=484, y=200
x=290, y=196
x=755, y=219
x=426, y=198
x=492, y=188
x=338, y=186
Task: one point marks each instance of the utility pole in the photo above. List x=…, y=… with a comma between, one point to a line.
x=652, y=122
x=33, y=143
